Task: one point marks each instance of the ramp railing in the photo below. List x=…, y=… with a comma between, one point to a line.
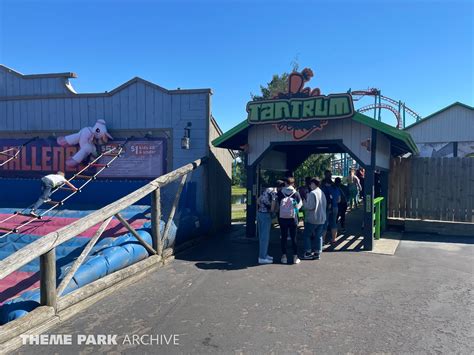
x=45, y=247
x=379, y=216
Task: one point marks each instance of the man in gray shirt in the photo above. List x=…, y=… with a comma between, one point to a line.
x=315, y=217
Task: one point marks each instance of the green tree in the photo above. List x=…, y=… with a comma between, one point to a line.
x=269, y=177
x=279, y=83
x=239, y=173
x=236, y=173
x=314, y=166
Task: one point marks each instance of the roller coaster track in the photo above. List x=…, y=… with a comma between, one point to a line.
x=385, y=106
x=408, y=110
x=14, y=152
x=396, y=109
x=114, y=153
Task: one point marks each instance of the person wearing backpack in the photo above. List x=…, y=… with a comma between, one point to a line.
x=289, y=202
x=315, y=218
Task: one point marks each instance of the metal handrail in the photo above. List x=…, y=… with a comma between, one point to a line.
x=379, y=217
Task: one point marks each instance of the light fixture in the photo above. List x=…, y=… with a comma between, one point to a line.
x=185, y=141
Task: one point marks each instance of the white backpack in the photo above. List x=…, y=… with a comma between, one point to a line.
x=287, y=207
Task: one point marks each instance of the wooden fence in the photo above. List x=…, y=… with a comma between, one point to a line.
x=439, y=189
x=53, y=302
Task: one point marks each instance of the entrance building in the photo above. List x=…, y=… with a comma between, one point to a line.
x=281, y=133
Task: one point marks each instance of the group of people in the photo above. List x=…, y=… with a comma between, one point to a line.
x=323, y=204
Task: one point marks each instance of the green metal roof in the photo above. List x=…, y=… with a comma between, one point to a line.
x=239, y=129
x=457, y=103
x=237, y=136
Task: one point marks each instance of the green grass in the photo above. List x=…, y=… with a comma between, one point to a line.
x=238, y=215
x=237, y=190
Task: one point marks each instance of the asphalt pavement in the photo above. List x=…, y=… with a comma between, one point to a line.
x=215, y=298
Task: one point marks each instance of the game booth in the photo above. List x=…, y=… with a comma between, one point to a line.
x=108, y=145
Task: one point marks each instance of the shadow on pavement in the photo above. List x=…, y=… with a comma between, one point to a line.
x=231, y=250
x=225, y=251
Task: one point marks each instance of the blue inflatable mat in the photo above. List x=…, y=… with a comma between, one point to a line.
x=107, y=256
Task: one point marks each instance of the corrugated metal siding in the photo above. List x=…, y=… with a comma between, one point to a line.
x=261, y=136
x=453, y=125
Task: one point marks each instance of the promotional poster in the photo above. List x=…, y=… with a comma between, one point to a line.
x=140, y=159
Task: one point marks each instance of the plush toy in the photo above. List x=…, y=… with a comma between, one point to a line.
x=85, y=138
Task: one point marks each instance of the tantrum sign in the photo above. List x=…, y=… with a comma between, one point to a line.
x=301, y=110
x=319, y=107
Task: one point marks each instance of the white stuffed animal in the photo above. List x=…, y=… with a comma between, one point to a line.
x=85, y=138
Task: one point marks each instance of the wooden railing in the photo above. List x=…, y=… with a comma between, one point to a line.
x=45, y=247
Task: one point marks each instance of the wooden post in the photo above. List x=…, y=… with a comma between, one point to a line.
x=155, y=220
x=369, y=182
x=135, y=234
x=81, y=257
x=251, y=202
x=369, y=208
x=48, y=278
x=53, y=239
x=385, y=195
x=173, y=209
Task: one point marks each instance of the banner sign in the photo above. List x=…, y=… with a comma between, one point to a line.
x=300, y=103
x=319, y=107
x=140, y=159
x=301, y=110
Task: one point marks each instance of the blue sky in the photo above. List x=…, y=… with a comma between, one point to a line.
x=420, y=52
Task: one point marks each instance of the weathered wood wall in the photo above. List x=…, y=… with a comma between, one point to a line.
x=219, y=182
x=136, y=105
x=13, y=83
x=42, y=105
x=432, y=188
